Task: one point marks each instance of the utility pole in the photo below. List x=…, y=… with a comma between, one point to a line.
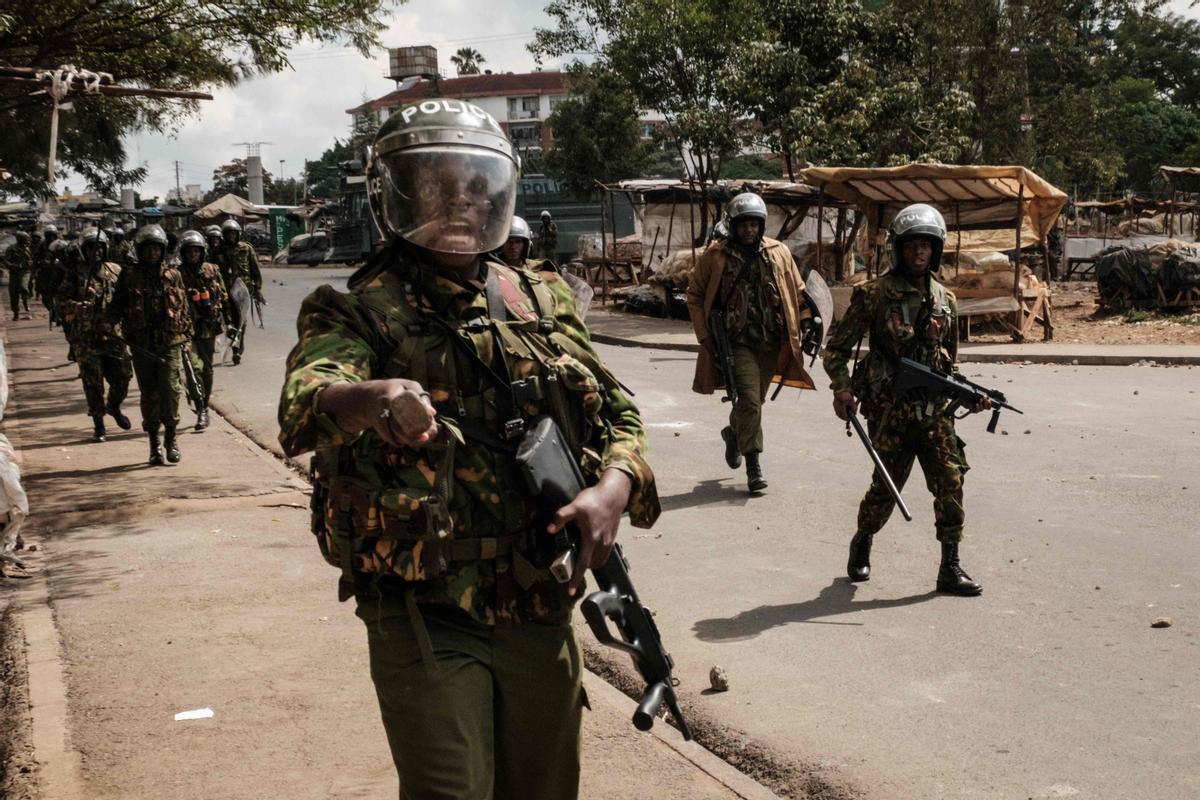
x=66, y=80
x=178, y=191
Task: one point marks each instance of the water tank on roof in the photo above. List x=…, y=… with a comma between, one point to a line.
x=412, y=62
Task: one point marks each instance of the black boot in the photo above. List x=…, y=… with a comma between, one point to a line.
x=114, y=411
x=754, y=474
x=98, y=431
x=173, y=454
x=951, y=577
x=202, y=419
x=732, y=457
x=859, y=565
x=156, y=453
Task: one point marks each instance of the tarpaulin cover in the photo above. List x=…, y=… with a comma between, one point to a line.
x=1126, y=272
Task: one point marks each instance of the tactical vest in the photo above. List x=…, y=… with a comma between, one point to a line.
x=377, y=511
x=899, y=331
x=145, y=286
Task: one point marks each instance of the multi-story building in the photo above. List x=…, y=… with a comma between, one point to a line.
x=520, y=102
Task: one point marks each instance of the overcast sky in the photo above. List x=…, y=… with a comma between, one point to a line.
x=302, y=110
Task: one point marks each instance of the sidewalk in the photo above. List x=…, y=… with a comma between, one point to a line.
x=633, y=330
x=166, y=589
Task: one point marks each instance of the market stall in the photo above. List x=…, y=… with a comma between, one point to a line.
x=977, y=202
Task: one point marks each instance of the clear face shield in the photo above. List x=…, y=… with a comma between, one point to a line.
x=446, y=198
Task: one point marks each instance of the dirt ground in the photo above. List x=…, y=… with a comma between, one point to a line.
x=1078, y=320
x=16, y=756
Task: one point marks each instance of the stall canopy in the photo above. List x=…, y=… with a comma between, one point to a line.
x=668, y=219
x=230, y=205
x=971, y=198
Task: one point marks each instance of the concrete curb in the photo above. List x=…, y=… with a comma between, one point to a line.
x=722, y=772
x=966, y=355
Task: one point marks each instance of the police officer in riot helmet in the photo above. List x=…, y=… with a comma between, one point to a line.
x=515, y=250
x=906, y=313
x=384, y=403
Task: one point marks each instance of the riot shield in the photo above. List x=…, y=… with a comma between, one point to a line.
x=820, y=302
x=582, y=291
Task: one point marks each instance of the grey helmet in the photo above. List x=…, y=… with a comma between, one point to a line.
x=545, y=215
x=94, y=236
x=442, y=175
x=746, y=204
x=519, y=229
x=212, y=230
x=117, y=235
x=720, y=231
x=22, y=237
x=57, y=247
x=150, y=234
x=192, y=239
x=231, y=226
x=918, y=219
x=50, y=230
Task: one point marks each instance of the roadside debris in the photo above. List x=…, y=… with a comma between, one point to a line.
x=718, y=679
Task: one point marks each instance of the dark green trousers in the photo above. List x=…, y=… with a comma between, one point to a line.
x=18, y=289
x=496, y=716
x=753, y=368
x=160, y=382
x=932, y=442
x=203, y=348
x=96, y=369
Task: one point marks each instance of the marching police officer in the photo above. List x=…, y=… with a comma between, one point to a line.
x=83, y=302
x=548, y=237
x=754, y=281
x=151, y=304
x=19, y=260
x=206, y=291
x=414, y=389
x=238, y=262
x=907, y=314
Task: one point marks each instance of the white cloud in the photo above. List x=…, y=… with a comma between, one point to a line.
x=302, y=110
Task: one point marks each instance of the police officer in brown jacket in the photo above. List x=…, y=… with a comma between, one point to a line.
x=756, y=282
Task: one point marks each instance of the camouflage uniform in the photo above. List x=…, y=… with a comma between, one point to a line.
x=151, y=305
x=47, y=272
x=902, y=320
x=83, y=302
x=19, y=260
x=239, y=261
x=206, y=291
x=548, y=240
x=444, y=546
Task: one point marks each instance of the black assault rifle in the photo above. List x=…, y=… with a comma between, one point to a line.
x=963, y=393
x=552, y=473
x=723, y=350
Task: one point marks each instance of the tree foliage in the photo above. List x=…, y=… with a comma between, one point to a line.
x=597, y=136
x=467, y=61
x=234, y=178
x=172, y=44
x=1095, y=94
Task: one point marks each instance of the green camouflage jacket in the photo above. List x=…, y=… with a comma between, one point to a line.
x=240, y=261
x=18, y=260
x=83, y=301
x=151, y=305
x=376, y=331
x=208, y=319
x=900, y=320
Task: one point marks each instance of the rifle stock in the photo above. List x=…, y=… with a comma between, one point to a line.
x=723, y=350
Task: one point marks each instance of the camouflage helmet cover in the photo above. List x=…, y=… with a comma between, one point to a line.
x=442, y=175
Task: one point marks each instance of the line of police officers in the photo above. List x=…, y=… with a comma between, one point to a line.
x=414, y=390
x=138, y=309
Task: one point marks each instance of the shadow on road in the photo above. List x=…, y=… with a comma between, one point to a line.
x=706, y=493
x=836, y=598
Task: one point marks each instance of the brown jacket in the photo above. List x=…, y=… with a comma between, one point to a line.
x=705, y=282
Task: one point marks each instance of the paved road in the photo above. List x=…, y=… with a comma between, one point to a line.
x=1082, y=525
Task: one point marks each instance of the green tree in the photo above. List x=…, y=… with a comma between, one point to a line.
x=597, y=133
x=467, y=60
x=172, y=44
x=233, y=178
x=322, y=173
x=676, y=56
x=752, y=168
